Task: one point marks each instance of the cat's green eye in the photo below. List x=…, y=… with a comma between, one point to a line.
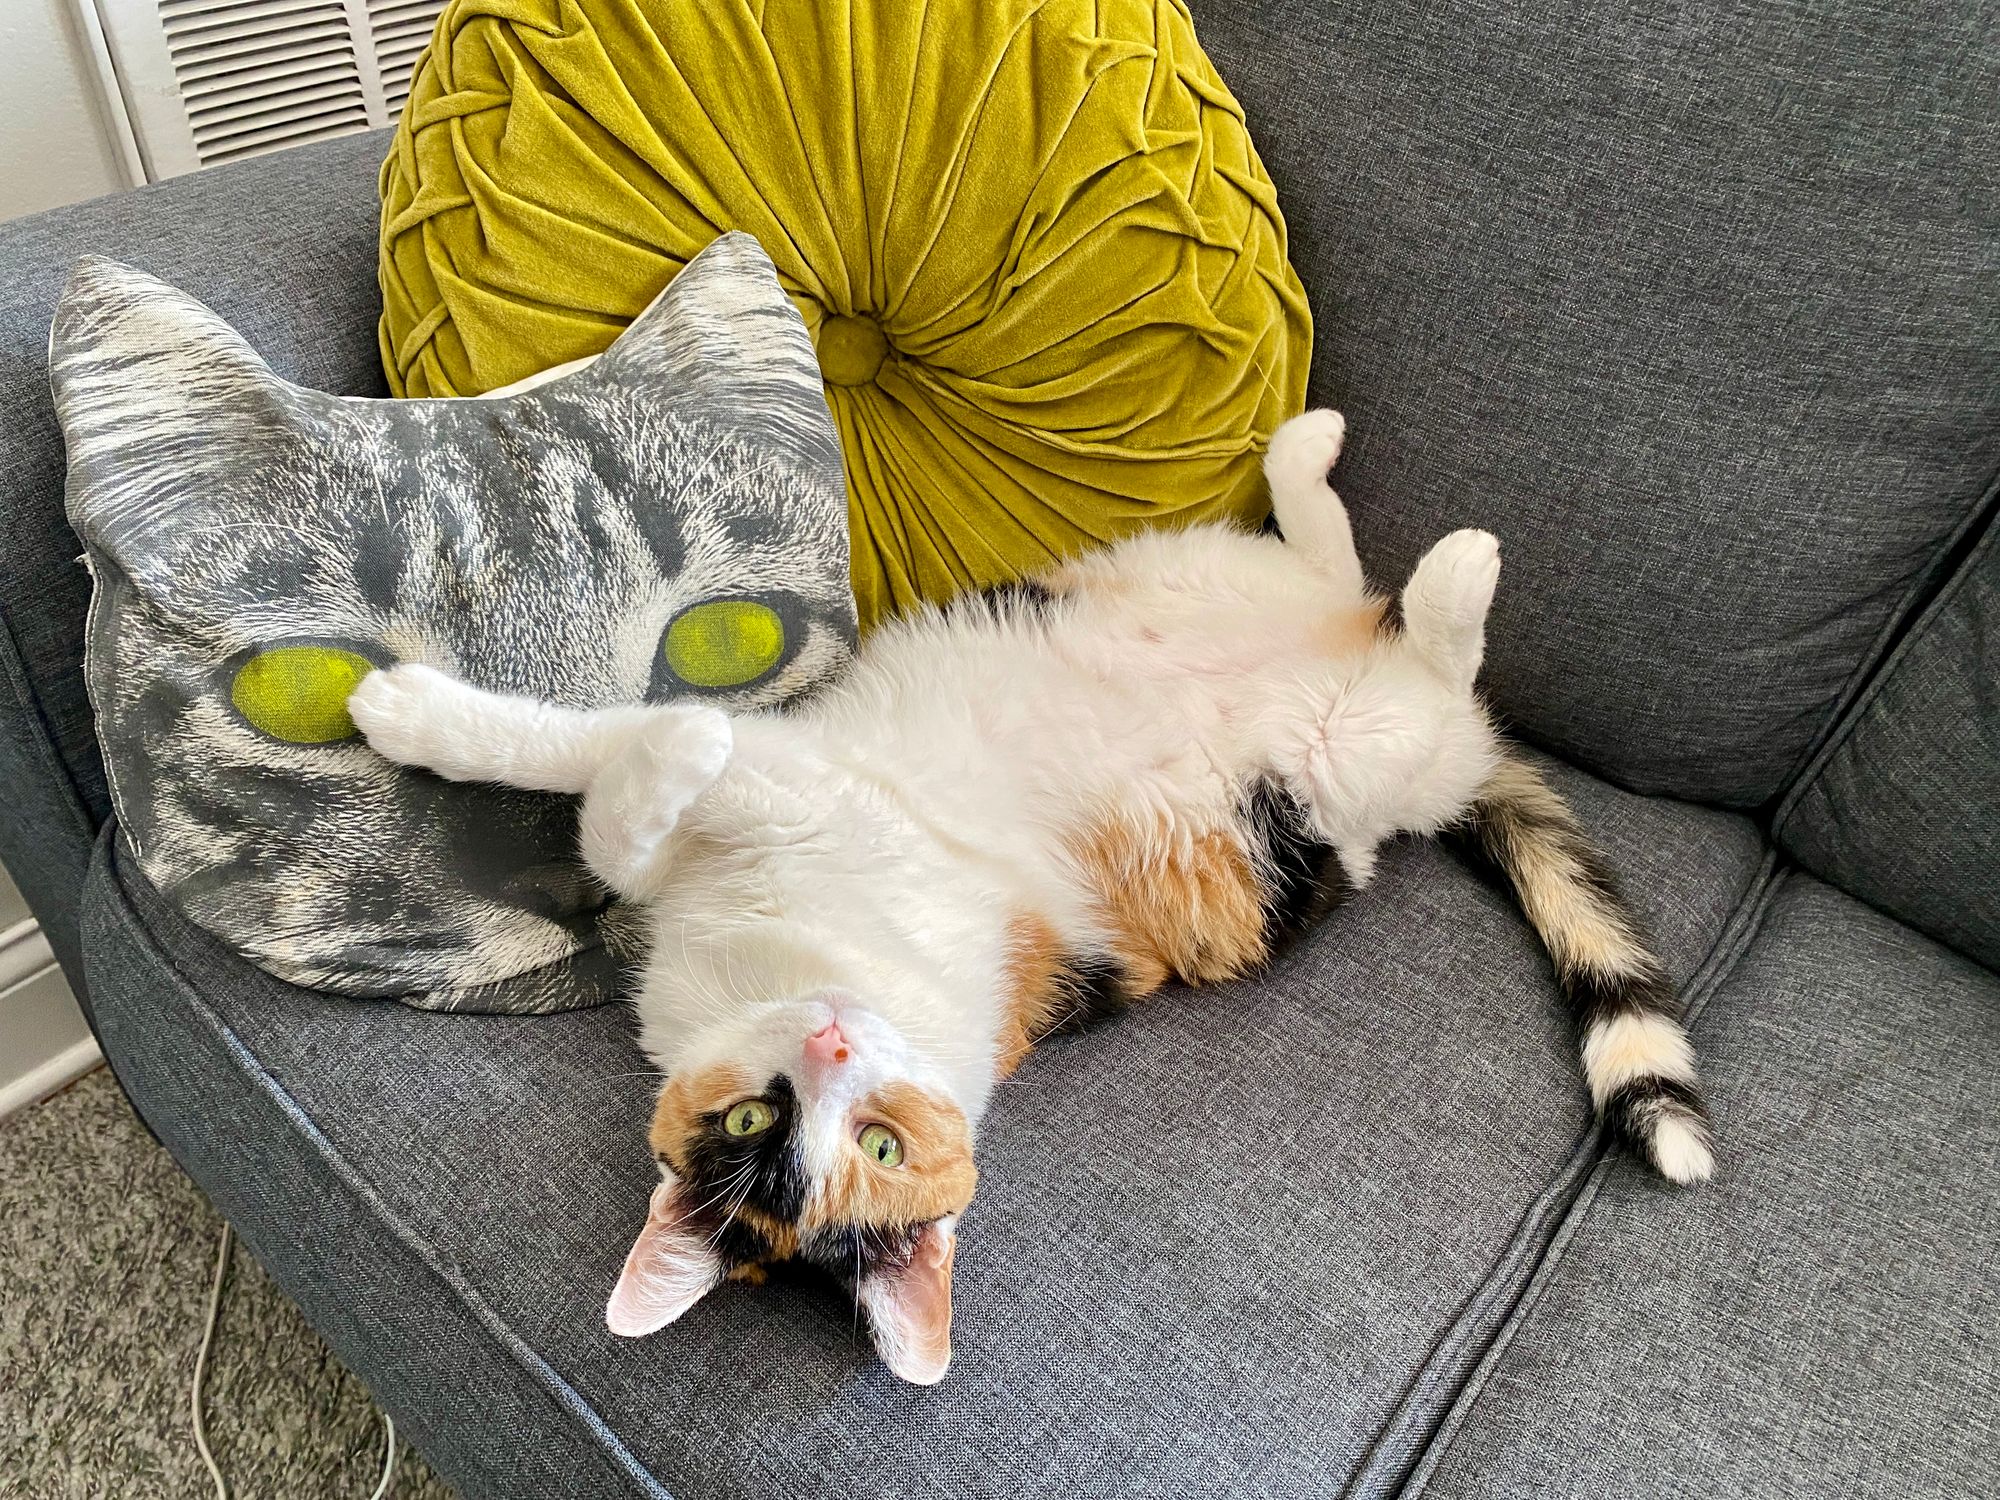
x=749, y=1117
x=299, y=693
x=880, y=1142
x=724, y=643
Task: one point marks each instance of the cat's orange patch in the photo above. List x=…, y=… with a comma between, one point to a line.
x=1190, y=909
x=687, y=1097
x=936, y=1176
x=1030, y=989
x=1350, y=632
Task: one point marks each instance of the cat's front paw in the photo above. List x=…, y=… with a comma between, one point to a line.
x=636, y=801
x=412, y=714
x=1303, y=452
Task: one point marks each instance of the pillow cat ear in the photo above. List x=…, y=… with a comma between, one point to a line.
x=909, y=1311
x=149, y=385
x=724, y=340
x=670, y=1268
x=132, y=361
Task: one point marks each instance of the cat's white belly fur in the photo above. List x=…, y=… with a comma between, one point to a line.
x=952, y=767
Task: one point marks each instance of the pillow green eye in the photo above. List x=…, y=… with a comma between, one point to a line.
x=724, y=643
x=748, y=1117
x=299, y=693
x=880, y=1142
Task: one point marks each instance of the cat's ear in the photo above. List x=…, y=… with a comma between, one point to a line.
x=671, y=1267
x=724, y=340
x=154, y=392
x=909, y=1310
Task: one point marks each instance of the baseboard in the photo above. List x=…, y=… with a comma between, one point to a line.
x=24, y=953
x=52, y=1074
x=44, y=1040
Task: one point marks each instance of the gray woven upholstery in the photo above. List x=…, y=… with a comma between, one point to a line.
x=1903, y=805
x=1821, y=1321
x=1695, y=313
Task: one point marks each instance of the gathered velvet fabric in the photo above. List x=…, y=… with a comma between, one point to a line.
x=1041, y=263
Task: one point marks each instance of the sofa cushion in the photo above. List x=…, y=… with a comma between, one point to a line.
x=1695, y=314
x=1224, y=1246
x=1902, y=807
x=1822, y=1320
x=301, y=290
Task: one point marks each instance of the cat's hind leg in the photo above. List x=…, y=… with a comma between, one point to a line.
x=1301, y=456
x=1446, y=601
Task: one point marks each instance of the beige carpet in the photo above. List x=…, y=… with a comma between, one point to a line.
x=106, y=1250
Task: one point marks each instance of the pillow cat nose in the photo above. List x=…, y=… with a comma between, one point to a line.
x=828, y=1046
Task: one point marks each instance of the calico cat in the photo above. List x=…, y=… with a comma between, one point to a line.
x=1009, y=817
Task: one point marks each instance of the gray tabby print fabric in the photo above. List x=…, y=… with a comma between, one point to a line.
x=668, y=522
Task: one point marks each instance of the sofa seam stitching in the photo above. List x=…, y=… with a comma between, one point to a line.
x=1850, y=720
x=1542, y=1277
x=1582, y=1162
x=1875, y=661
x=524, y=1356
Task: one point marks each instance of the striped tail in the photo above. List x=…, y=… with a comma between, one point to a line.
x=1636, y=1059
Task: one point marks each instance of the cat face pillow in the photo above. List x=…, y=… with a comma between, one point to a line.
x=668, y=524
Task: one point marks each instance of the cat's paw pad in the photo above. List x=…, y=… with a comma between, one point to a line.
x=404, y=711
x=1304, y=450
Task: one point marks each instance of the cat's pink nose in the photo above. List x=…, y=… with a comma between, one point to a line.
x=827, y=1046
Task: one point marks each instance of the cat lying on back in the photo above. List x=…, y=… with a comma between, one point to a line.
x=1008, y=817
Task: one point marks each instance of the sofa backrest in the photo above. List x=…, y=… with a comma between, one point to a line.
x=1902, y=804
x=1693, y=308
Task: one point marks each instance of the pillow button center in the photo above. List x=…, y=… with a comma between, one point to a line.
x=851, y=349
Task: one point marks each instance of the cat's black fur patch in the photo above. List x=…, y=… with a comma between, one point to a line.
x=760, y=1171
x=854, y=1252
x=1024, y=599
x=1089, y=988
x=738, y=1244
x=1595, y=998
x=1301, y=873
x=1634, y=1111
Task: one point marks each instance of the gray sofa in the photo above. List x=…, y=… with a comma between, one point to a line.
x=1699, y=316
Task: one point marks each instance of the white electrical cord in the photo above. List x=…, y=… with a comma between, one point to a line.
x=222, y=1248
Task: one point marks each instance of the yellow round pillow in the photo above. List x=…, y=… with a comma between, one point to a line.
x=1043, y=267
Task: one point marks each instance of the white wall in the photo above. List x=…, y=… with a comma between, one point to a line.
x=54, y=148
